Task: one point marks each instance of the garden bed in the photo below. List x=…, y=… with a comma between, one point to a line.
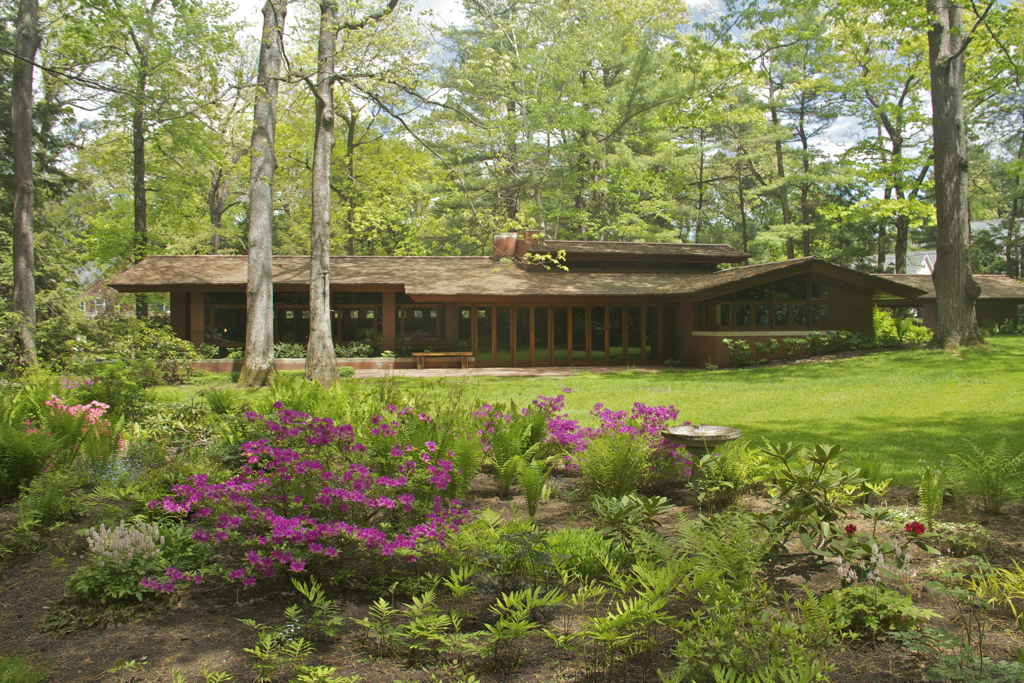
x=199, y=628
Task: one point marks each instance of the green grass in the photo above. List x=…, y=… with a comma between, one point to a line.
x=902, y=406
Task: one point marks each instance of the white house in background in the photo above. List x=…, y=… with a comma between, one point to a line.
x=918, y=262
x=996, y=227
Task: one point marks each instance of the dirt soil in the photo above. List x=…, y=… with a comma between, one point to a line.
x=200, y=629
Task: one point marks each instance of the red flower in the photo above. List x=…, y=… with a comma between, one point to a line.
x=915, y=528
x=851, y=529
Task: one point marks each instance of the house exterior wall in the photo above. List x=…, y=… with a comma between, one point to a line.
x=179, y=313
x=849, y=310
x=996, y=311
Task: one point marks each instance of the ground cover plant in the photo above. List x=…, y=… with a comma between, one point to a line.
x=391, y=530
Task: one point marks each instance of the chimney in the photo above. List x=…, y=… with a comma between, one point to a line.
x=504, y=245
x=524, y=244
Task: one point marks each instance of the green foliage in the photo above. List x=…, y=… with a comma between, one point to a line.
x=22, y=457
x=515, y=444
x=744, y=636
x=729, y=544
x=15, y=669
x=355, y=350
x=993, y=476
x=616, y=463
x=718, y=479
x=625, y=519
x=53, y=497
x=583, y=552
x=533, y=476
x=287, y=350
x=874, y=611
x=222, y=401
x=930, y=492
x=812, y=493
x=277, y=646
x=323, y=621
x=740, y=353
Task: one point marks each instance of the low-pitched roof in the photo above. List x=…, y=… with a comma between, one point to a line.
x=992, y=286
x=722, y=253
x=429, y=277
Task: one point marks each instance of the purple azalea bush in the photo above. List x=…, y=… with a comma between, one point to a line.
x=310, y=492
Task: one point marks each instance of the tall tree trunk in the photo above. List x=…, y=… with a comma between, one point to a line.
x=141, y=242
x=321, y=365
x=783, y=190
x=216, y=200
x=26, y=45
x=350, y=182
x=902, y=236
x=955, y=287
x=743, y=208
x=258, y=368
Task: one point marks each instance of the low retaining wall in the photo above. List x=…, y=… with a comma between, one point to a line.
x=235, y=364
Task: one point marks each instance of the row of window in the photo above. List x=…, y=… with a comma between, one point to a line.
x=790, y=303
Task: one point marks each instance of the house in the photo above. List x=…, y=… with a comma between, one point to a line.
x=613, y=303
x=918, y=262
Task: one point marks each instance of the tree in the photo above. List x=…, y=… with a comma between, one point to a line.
x=26, y=44
x=956, y=290
x=321, y=364
x=258, y=368
x=155, y=62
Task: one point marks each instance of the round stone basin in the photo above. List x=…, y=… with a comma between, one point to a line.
x=703, y=437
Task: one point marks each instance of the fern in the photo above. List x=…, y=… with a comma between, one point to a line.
x=929, y=493
x=533, y=477
x=994, y=477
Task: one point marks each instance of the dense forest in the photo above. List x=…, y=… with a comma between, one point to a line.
x=785, y=129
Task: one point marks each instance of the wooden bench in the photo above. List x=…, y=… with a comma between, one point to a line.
x=463, y=357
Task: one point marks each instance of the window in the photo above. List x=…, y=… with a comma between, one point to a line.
x=797, y=302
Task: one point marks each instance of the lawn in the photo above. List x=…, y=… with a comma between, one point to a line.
x=900, y=406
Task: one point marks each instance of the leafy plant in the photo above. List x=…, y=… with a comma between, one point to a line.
x=993, y=476
x=625, y=519
x=533, y=476
x=323, y=622
x=739, y=352
x=930, y=492
x=616, y=463
x=514, y=443
x=277, y=646
x=222, y=401
x=873, y=610
x=812, y=493
x=730, y=544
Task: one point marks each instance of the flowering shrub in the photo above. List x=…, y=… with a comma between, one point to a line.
x=89, y=437
x=308, y=492
x=665, y=461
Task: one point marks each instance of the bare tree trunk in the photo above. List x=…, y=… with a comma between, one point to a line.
x=955, y=287
x=143, y=46
x=26, y=45
x=258, y=369
x=321, y=365
x=743, y=208
x=783, y=190
x=216, y=200
x=902, y=235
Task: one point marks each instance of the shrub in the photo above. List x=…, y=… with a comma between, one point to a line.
x=615, y=464
x=51, y=498
x=305, y=494
x=22, y=457
x=874, y=610
x=355, y=350
x=286, y=350
x=730, y=544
